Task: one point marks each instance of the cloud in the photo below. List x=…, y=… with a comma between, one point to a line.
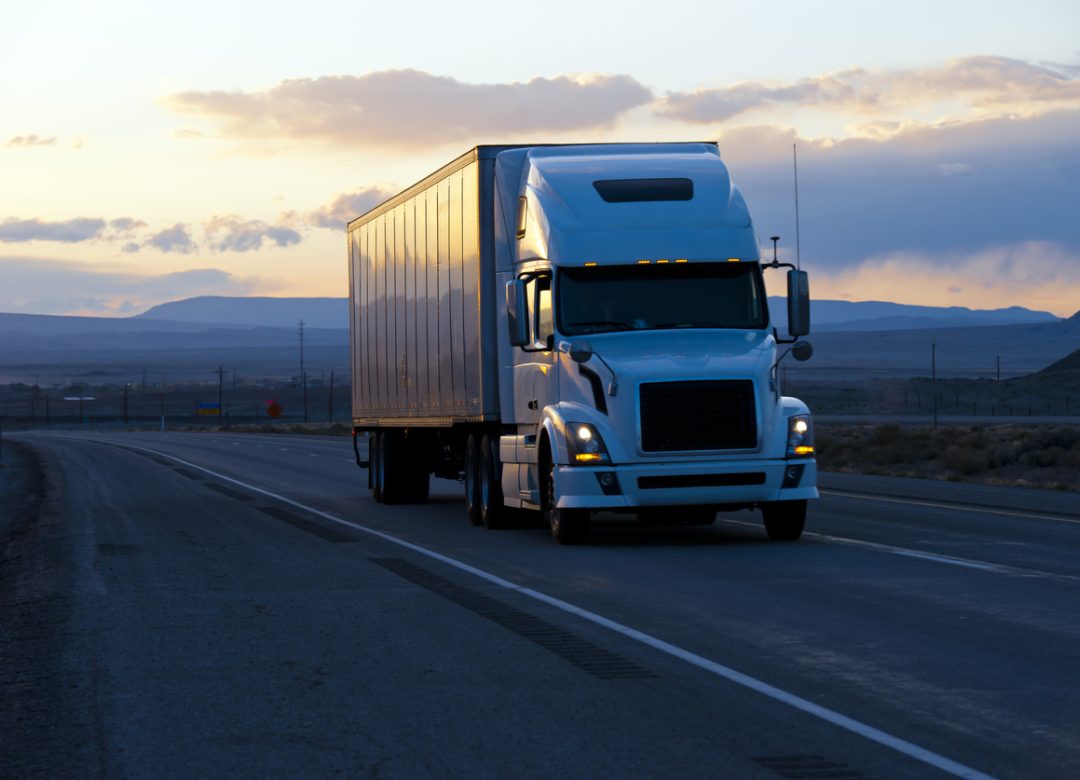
x=31, y=140
x=718, y=105
x=126, y=224
x=70, y=232
x=1040, y=275
x=1013, y=180
x=174, y=239
x=348, y=206
x=233, y=234
x=982, y=81
x=62, y=287
x=406, y=107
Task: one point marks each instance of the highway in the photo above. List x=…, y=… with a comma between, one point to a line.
x=189, y=604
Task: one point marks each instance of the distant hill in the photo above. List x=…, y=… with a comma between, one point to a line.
x=267, y=312
x=1070, y=362
x=827, y=315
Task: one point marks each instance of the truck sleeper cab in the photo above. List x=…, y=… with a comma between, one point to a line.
x=576, y=329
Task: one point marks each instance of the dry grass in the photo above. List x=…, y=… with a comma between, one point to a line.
x=1041, y=456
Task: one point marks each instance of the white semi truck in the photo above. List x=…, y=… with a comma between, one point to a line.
x=574, y=329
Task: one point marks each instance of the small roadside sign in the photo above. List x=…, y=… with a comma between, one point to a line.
x=211, y=409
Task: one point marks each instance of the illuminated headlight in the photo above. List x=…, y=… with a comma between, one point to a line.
x=800, y=438
x=585, y=444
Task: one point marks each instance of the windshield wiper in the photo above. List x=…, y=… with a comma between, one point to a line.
x=601, y=324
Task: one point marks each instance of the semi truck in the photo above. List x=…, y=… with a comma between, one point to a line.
x=573, y=329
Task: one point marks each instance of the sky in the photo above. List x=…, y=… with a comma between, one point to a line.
x=151, y=153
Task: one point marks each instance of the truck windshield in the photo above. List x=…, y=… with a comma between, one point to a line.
x=659, y=296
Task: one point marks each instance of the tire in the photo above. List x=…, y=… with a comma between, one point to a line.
x=491, y=507
x=472, y=479
x=393, y=468
x=375, y=466
x=416, y=465
x=784, y=520
x=568, y=526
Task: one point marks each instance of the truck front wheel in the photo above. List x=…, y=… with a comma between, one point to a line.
x=784, y=520
x=568, y=526
x=492, y=509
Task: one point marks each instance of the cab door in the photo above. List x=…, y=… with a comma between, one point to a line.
x=535, y=380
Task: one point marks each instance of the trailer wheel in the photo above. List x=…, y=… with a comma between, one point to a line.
x=472, y=479
x=393, y=468
x=375, y=465
x=568, y=526
x=416, y=465
x=492, y=509
x=784, y=520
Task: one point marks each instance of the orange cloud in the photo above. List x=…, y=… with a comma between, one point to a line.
x=405, y=107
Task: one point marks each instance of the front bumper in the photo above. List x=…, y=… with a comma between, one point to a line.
x=684, y=484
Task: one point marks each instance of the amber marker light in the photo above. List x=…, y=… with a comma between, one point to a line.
x=733, y=260
x=681, y=260
x=663, y=261
x=643, y=262
x=804, y=450
x=590, y=264
x=588, y=457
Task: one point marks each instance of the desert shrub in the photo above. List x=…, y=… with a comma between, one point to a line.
x=884, y=435
x=964, y=461
x=1044, y=458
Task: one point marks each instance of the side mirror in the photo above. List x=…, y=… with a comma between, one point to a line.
x=802, y=350
x=798, y=303
x=581, y=351
x=517, y=312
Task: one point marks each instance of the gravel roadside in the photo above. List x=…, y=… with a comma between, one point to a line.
x=43, y=723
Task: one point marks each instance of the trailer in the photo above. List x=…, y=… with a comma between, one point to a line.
x=572, y=329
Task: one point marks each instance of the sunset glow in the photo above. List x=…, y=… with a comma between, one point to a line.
x=220, y=151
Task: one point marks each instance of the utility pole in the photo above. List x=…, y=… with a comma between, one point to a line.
x=220, y=387
x=998, y=367
x=47, y=420
x=125, y=403
x=933, y=376
x=303, y=375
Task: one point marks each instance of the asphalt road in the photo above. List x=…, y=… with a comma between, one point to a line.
x=210, y=604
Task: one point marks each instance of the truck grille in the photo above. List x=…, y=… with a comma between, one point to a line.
x=699, y=415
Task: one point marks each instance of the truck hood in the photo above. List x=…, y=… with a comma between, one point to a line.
x=673, y=354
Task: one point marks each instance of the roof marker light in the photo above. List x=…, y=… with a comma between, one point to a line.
x=733, y=259
x=663, y=261
x=681, y=260
x=590, y=263
x=643, y=262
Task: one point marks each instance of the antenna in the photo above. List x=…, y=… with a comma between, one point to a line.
x=798, y=252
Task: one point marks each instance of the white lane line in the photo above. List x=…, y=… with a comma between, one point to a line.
x=907, y=552
x=909, y=749
x=942, y=505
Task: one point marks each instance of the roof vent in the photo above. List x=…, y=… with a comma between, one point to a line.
x=644, y=190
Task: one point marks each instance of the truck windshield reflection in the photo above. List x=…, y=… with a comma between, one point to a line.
x=660, y=296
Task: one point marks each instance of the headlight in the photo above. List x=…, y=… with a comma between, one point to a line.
x=585, y=444
x=800, y=437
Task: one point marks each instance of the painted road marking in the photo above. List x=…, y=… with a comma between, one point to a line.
x=907, y=552
x=943, y=505
x=909, y=749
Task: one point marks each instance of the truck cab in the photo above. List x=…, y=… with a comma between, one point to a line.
x=639, y=346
